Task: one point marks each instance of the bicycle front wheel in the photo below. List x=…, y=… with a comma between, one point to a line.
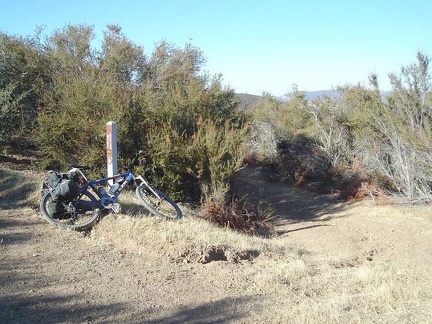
x=78, y=215
x=160, y=205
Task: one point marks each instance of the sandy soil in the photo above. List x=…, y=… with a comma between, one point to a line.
x=49, y=275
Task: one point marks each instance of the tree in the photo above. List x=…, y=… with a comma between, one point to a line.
x=22, y=74
x=411, y=95
x=402, y=151
x=263, y=139
x=120, y=58
x=69, y=49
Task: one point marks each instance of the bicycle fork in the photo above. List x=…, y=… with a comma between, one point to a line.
x=149, y=188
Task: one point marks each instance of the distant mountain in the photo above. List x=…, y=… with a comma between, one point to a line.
x=311, y=95
x=247, y=101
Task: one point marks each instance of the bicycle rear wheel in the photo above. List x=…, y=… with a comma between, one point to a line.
x=160, y=205
x=78, y=215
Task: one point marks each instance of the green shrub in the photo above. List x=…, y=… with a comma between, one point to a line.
x=186, y=122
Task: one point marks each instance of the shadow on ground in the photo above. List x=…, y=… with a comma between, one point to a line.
x=291, y=205
x=227, y=310
x=15, y=188
x=76, y=309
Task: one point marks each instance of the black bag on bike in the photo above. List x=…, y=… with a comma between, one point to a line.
x=63, y=185
x=53, y=179
x=56, y=209
x=63, y=190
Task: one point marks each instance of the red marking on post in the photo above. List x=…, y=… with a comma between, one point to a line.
x=111, y=147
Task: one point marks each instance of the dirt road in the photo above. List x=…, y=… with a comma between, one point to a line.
x=331, y=274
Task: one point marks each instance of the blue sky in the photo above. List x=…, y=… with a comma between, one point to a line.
x=257, y=45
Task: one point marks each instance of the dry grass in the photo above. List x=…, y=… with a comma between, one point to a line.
x=19, y=188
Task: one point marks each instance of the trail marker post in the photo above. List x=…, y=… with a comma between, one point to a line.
x=111, y=141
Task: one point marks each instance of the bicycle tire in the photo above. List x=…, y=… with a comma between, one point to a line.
x=164, y=207
x=78, y=219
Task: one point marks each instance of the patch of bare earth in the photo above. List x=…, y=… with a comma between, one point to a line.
x=331, y=227
x=329, y=261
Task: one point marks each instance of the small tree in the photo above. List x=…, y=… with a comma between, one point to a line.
x=330, y=127
x=400, y=150
x=22, y=74
x=263, y=139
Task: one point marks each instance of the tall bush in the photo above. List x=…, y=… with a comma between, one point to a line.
x=401, y=153
x=23, y=72
x=163, y=102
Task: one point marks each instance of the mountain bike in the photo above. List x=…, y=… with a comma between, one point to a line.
x=91, y=198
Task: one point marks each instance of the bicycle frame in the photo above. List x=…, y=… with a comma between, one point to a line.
x=128, y=176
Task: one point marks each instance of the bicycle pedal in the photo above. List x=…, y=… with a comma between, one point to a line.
x=116, y=208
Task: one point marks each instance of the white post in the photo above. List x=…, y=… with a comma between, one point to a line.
x=111, y=140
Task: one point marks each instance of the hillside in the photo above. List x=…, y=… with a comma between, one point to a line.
x=247, y=100
x=328, y=261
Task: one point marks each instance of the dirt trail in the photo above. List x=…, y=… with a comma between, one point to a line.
x=329, y=226
x=48, y=275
